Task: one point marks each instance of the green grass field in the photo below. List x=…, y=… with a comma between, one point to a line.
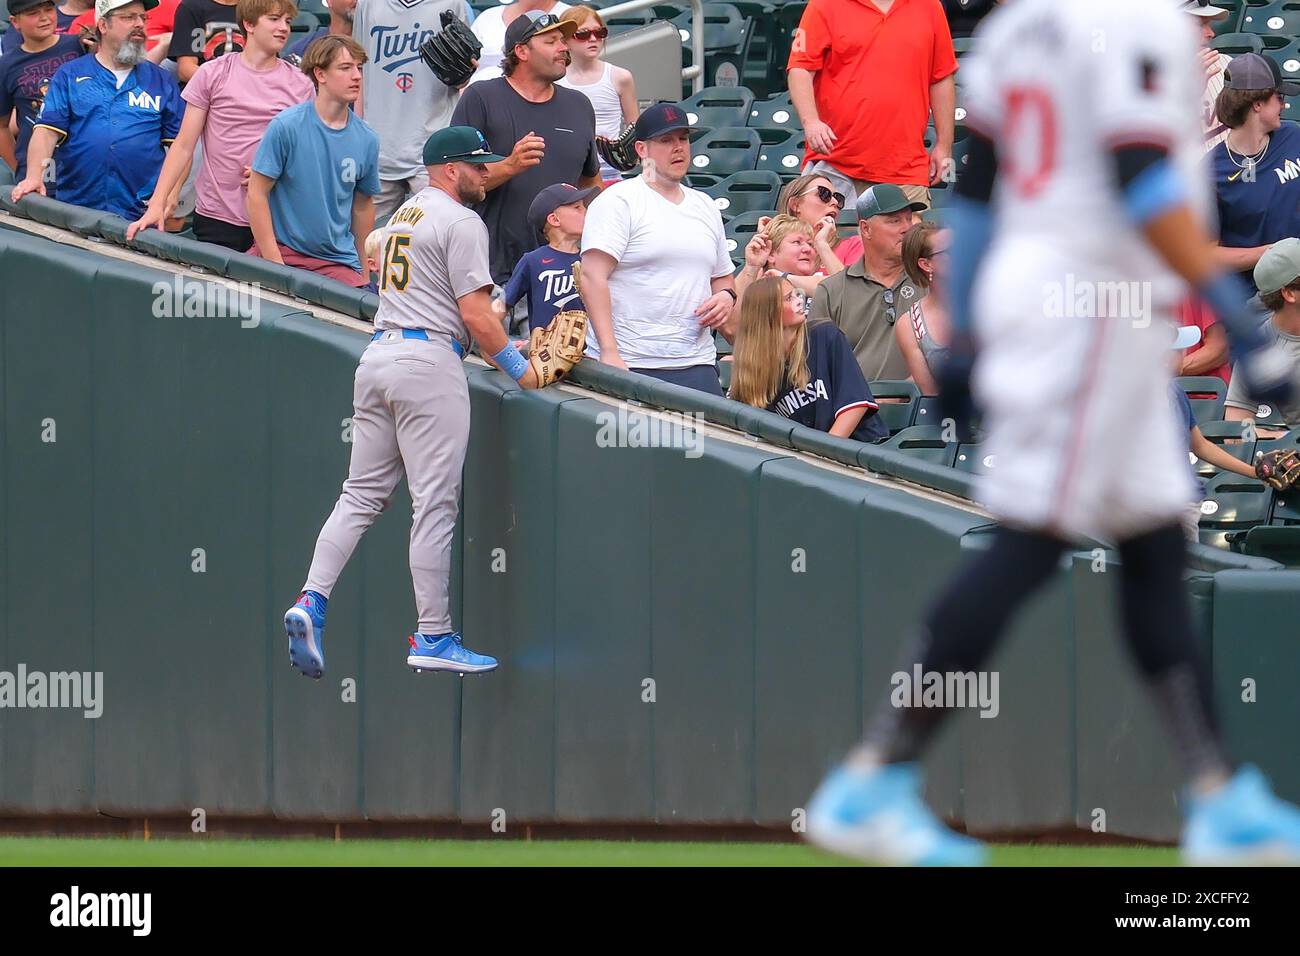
x=177, y=851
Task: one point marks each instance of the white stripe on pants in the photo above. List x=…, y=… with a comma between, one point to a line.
x=410, y=414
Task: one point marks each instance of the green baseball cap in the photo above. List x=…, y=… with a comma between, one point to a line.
x=1279, y=266
x=883, y=199
x=458, y=144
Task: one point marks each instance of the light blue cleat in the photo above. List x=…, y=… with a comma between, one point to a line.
x=1241, y=823
x=446, y=652
x=877, y=815
x=305, y=625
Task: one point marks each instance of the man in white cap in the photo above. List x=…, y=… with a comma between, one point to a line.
x=1207, y=17
x=1277, y=276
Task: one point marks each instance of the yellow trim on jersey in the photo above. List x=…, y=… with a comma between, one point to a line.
x=63, y=134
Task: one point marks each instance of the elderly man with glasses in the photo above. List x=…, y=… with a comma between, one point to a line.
x=865, y=299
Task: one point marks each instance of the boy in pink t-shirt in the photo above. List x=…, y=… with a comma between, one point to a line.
x=229, y=102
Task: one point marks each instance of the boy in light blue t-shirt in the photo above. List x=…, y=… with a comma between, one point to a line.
x=316, y=173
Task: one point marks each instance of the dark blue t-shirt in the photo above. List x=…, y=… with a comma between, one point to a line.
x=24, y=81
x=11, y=39
x=1187, y=418
x=835, y=383
x=1261, y=212
x=545, y=276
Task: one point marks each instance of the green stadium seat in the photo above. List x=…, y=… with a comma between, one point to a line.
x=973, y=459
x=1230, y=436
x=962, y=45
x=1235, y=44
x=1287, y=59
x=1277, y=23
x=669, y=11
x=1206, y=393
x=771, y=135
x=725, y=151
x=1266, y=416
x=719, y=106
x=760, y=15
x=701, y=181
x=746, y=190
x=785, y=22
x=785, y=158
x=775, y=112
x=721, y=344
x=1233, y=20
x=927, y=410
x=304, y=22
x=924, y=442
x=740, y=229
x=727, y=35
x=897, y=401
x=1233, y=503
x=623, y=22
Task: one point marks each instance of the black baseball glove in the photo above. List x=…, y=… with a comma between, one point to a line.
x=451, y=53
x=619, y=153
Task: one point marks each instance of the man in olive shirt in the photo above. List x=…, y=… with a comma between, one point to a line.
x=865, y=299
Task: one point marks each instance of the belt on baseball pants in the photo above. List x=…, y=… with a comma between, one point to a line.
x=423, y=336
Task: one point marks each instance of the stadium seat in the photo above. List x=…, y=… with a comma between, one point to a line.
x=775, y=112
x=1277, y=23
x=623, y=22
x=1266, y=416
x=746, y=190
x=1232, y=503
x=971, y=458
x=962, y=45
x=924, y=442
x=720, y=106
x=760, y=15
x=927, y=410
x=725, y=151
x=1206, y=393
x=1230, y=437
x=1287, y=59
x=741, y=229
x=726, y=42
x=304, y=22
x=701, y=180
x=785, y=158
x=724, y=374
x=669, y=11
x=721, y=344
x=784, y=24
x=897, y=401
x=1233, y=20
x=1235, y=44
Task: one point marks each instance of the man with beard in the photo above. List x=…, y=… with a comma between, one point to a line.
x=111, y=116
x=411, y=402
x=558, y=144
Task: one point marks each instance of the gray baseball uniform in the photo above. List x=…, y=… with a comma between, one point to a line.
x=411, y=401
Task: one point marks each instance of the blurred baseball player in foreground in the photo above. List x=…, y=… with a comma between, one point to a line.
x=411, y=399
x=1083, y=115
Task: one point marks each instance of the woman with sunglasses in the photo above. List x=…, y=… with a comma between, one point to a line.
x=923, y=337
x=610, y=88
x=804, y=371
x=815, y=201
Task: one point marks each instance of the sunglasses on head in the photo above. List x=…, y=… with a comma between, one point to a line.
x=825, y=194
x=598, y=32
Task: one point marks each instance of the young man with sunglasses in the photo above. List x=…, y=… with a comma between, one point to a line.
x=558, y=144
x=865, y=299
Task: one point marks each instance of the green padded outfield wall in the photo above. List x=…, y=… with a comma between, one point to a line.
x=162, y=481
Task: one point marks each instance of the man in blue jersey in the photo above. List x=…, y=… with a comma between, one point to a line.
x=111, y=117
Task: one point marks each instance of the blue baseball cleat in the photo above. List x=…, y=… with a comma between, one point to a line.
x=1241, y=823
x=305, y=625
x=878, y=816
x=446, y=652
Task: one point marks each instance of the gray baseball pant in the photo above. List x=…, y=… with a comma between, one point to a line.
x=410, y=413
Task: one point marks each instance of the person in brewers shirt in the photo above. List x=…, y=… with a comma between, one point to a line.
x=411, y=414
x=656, y=273
x=401, y=99
x=804, y=371
x=545, y=275
x=546, y=132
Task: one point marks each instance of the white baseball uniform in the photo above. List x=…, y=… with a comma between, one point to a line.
x=411, y=400
x=1072, y=307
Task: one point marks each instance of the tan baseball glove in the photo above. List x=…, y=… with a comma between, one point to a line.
x=1279, y=468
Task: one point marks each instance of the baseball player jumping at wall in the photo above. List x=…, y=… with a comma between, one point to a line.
x=1096, y=187
x=411, y=399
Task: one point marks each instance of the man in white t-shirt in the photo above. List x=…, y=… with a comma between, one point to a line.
x=656, y=274
x=490, y=27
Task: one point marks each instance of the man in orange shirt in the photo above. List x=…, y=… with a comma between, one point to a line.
x=865, y=76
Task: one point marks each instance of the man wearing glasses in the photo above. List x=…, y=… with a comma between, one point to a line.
x=111, y=116
x=546, y=133
x=865, y=299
